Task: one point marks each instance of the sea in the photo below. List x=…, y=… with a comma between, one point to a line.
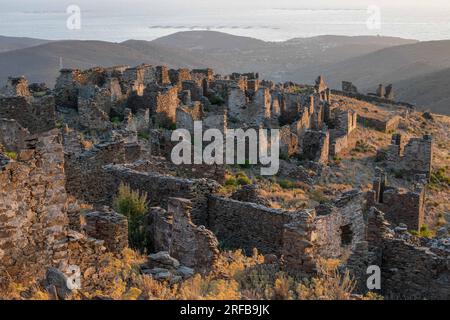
x=270, y=22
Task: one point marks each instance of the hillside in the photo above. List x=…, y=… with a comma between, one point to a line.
x=279, y=61
x=430, y=91
x=389, y=65
x=42, y=63
x=223, y=52
x=15, y=43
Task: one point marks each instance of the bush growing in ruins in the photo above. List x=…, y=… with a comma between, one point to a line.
x=133, y=205
x=144, y=136
x=440, y=177
x=216, y=100
x=424, y=232
x=242, y=179
x=11, y=154
x=362, y=147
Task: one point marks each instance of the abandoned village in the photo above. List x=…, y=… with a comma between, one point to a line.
x=359, y=184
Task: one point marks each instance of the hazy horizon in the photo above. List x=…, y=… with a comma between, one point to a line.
x=266, y=20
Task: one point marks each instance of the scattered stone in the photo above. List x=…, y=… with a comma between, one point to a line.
x=56, y=280
x=185, y=272
x=164, y=258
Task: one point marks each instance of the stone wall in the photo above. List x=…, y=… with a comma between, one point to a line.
x=416, y=157
x=86, y=179
x=329, y=231
x=108, y=226
x=414, y=272
x=94, y=108
x=159, y=188
x=383, y=125
x=12, y=135
x=372, y=99
x=163, y=105
x=16, y=87
x=37, y=114
x=409, y=270
x=316, y=146
x=33, y=219
x=399, y=205
x=246, y=225
x=173, y=231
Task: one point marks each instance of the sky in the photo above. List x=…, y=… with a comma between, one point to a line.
x=270, y=20
x=131, y=5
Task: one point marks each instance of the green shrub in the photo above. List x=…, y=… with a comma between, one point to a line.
x=144, y=136
x=287, y=184
x=133, y=205
x=116, y=120
x=424, y=232
x=242, y=179
x=231, y=182
x=11, y=154
x=216, y=100
x=440, y=177
x=362, y=147
x=318, y=196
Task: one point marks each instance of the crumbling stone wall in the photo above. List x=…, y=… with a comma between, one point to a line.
x=288, y=142
x=86, y=179
x=12, y=135
x=408, y=269
x=348, y=87
x=94, y=108
x=399, y=205
x=415, y=158
x=108, y=226
x=173, y=231
x=246, y=225
x=194, y=88
x=159, y=188
x=33, y=219
x=372, y=99
x=163, y=105
x=16, y=87
x=37, y=114
x=178, y=76
x=383, y=125
x=414, y=272
x=316, y=146
x=187, y=115
x=328, y=231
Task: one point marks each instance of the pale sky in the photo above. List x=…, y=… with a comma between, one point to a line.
x=108, y=5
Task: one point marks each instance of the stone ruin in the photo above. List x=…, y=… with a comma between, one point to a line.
x=173, y=231
x=414, y=157
x=400, y=206
x=35, y=229
x=386, y=93
x=189, y=223
x=33, y=110
x=349, y=87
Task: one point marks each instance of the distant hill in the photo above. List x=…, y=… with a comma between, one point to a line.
x=279, y=61
x=223, y=52
x=419, y=70
x=42, y=63
x=14, y=43
x=390, y=65
x=431, y=91
x=209, y=40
